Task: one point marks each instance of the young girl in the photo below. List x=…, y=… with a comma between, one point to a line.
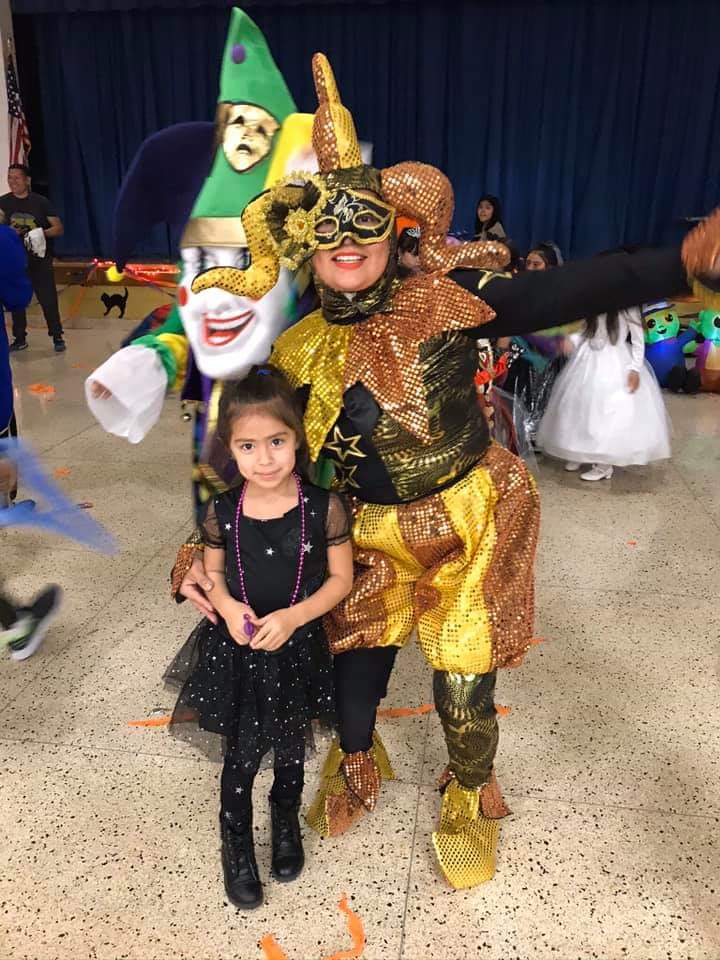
x=606, y=408
x=408, y=252
x=488, y=214
x=278, y=552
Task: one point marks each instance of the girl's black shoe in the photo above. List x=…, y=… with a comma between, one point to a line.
x=240, y=871
x=288, y=857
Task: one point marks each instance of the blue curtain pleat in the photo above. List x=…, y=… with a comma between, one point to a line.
x=596, y=123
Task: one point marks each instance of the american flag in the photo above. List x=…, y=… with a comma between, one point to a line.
x=19, y=135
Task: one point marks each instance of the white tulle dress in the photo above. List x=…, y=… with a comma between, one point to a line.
x=592, y=417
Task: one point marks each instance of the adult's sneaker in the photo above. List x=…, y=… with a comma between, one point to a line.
x=60, y=345
x=17, y=345
x=35, y=620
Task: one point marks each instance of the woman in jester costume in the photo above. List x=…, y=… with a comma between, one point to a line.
x=214, y=335
x=445, y=521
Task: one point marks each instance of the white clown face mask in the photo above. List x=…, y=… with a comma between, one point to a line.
x=228, y=334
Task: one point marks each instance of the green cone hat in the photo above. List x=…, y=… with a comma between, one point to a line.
x=253, y=104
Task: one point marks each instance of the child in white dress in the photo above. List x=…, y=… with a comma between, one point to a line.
x=606, y=407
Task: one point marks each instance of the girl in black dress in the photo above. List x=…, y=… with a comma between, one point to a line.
x=277, y=550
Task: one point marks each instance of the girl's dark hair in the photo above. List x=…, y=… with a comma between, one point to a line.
x=409, y=241
x=548, y=251
x=496, y=214
x=611, y=322
x=267, y=387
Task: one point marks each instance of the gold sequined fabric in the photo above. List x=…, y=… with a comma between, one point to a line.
x=466, y=840
x=313, y=352
x=459, y=432
x=184, y=560
x=337, y=806
x=363, y=778
x=425, y=194
x=384, y=352
x=492, y=804
x=334, y=138
x=457, y=565
x=262, y=274
x=509, y=588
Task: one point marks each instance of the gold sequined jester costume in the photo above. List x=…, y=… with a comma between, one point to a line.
x=446, y=521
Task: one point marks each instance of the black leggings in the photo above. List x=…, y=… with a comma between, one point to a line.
x=237, y=780
x=361, y=681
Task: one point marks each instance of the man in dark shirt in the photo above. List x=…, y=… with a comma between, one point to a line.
x=26, y=212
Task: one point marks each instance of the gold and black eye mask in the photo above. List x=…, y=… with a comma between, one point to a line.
x=360, y=216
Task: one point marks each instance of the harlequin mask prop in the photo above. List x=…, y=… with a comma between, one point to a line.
x=246, y=132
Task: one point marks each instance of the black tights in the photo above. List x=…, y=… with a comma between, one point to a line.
x=361, y=681
x=238, y=776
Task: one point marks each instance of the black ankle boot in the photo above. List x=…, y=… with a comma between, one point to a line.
x=242, y=880
x=288, y=858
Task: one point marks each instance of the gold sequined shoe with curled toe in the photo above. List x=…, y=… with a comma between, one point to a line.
x=467, y=836
x=349, y=786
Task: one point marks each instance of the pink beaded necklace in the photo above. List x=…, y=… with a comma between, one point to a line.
x=249, y=628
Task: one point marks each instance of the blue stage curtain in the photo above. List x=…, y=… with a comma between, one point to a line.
x=596, y=123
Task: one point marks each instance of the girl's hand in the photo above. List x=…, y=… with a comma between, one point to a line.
x=633, y=381
x=236, y=615
x=98, y=391
x=274, y=630
x=566, y=346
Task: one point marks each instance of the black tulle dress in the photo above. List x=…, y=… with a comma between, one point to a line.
x=260, y=702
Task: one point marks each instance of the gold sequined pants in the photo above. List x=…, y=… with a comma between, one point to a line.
x=456, y=565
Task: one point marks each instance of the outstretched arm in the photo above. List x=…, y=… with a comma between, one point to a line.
x=585, y=288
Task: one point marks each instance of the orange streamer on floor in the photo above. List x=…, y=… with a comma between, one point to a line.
x=272, y=949
x=393, y=712
x=501, y=710
x=151, y=722
x=60, y=472
x=356, y=931
x=41, y=389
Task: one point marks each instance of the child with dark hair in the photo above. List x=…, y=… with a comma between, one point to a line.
x=488, y=217
x=408, y=252
x=544, y=256
x=277, y=550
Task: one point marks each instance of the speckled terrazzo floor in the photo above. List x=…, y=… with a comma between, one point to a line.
x=610, y=756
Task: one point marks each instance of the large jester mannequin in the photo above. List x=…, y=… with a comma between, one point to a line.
x=446, y=521
x=213, y=335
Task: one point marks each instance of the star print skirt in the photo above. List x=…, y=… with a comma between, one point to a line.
x=254, y=699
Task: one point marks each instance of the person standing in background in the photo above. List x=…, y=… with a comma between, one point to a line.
x=544, y=256
x=488, y=215
x=33, y=218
